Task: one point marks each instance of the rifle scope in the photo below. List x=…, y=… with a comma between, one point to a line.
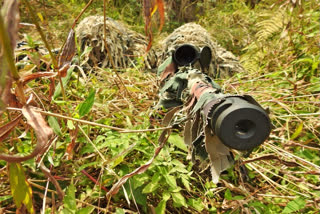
x=239, y=124
x=188, y=54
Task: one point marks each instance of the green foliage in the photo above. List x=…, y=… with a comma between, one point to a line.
x=295, y=205
x=85, y=107
x=20, y=188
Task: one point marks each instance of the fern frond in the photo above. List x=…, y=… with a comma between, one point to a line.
x=274, y=23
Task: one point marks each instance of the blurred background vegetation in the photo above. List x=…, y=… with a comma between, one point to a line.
x=277, y=43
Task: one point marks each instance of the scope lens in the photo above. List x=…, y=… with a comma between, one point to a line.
x=185, y=55
x=245, y=129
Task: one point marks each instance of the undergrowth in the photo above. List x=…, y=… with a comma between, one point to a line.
x=277, y=43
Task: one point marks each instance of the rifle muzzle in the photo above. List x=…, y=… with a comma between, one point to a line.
x=239, y=124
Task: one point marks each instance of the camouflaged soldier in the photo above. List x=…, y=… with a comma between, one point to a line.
x=214, y=122
x=124, y=44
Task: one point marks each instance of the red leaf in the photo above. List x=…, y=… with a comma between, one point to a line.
x=149, y=8
x=161, y=12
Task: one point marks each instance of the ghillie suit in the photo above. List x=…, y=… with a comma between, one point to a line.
x=124, y=44
x=214, y=122
x=224, y=63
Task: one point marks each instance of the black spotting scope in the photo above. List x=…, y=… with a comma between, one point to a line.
x=239, y=124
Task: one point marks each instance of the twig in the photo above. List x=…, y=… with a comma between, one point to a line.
x=96, y=207
x=94, y=180
x=95, y=124
x=94, y=146
x=301, y=115
x=282, y=151
x=46, y=171
x=83, y=10
x=45, y=197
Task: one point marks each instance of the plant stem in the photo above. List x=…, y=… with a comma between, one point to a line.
x=46, y=44
x=8, y=53
x=5, y=43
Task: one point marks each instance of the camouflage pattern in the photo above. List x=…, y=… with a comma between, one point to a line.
x=224, y=63
x=124, y=44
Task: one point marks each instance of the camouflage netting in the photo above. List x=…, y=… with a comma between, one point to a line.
x=224, y=63
x=124, y=44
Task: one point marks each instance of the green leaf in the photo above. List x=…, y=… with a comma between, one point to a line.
x=259, y=206
x=295, y=205
x=70, y=125
x=85, y=107
x=297, y=132
x=228, y=195
x=70, y=199
x=238, y=197
x=5, y=197
x=153, y=185
x=86, y=210
x=178, y=200
x=171, y=180
x=185, y=182
x=119, y=211
x=20, y=188
x=87, y=165
x=178, y=141
x=161, y=208
x=65, y=81
x=196, y=204
x=53, y=123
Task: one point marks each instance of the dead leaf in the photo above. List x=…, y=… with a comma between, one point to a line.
x=7, y=128
x=51, y=88
x=33, y=76
x=67, y=53
x=42, y=130
x=70, y=147
x=168, y=117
